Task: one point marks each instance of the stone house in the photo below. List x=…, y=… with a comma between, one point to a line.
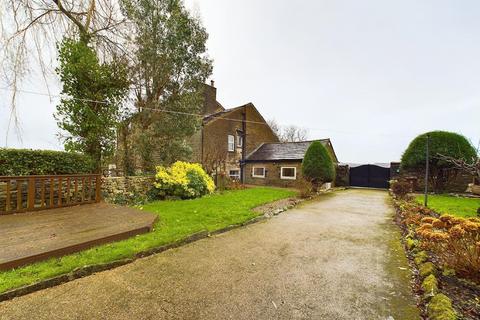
x=279, y=164
x=231, y=142
x=228, y=135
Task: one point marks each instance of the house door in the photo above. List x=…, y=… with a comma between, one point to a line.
x=369, y=176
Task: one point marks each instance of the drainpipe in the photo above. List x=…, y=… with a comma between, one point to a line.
x=244, y=144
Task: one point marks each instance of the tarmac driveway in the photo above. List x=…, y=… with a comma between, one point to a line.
x=335, y=258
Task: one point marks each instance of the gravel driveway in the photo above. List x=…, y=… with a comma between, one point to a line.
x=335, y=258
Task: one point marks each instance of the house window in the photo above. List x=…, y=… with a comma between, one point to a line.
x=231, y=143
x=239, y=139
x=289, y=173
x=258, y=172
x=234, y=174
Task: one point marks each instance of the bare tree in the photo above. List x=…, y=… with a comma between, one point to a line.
x=288, y=133
x=294, y=134
x=214, y=159
x=30, y=30
x=276, y=128
x=472, y=167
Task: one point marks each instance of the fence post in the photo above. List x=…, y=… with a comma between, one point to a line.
x=31, y=193
x=98, y=188
x=7, y=200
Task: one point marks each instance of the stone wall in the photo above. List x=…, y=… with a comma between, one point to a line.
x=113, y=187
x=342, y=177
x=394, y=170
x=458, y=183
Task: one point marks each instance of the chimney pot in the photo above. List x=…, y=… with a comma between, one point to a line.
x=212, y=83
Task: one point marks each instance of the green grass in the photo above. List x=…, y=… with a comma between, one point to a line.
x=457, y=206
x=177, y=220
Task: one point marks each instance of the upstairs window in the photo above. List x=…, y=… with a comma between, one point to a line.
x=239, y=140
x=258, y=172
x=231, y=143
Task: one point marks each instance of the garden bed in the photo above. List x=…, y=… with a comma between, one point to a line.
x=465, y=295
x=177, y=221
x=437, y=286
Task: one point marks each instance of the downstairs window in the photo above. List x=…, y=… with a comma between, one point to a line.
x=289, y=173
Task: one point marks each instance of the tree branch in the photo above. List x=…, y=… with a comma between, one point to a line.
x=67, y=13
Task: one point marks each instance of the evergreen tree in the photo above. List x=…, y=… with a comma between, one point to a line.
x=317, y=165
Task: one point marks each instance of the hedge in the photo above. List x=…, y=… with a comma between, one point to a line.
x=19, y=162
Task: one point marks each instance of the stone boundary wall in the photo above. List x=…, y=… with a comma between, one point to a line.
x=342, y=176
x=133, y=185
x=458, y=183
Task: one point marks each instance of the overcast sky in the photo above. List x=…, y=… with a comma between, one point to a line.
x=370, y=75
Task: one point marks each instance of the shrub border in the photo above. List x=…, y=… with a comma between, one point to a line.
x=421, y=264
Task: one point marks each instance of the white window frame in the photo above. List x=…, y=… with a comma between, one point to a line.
x=258, y=176
x=239, y=139
x=234, y=176
x=231, y=143
x=287, y=177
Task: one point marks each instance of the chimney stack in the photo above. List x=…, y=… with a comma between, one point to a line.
x=210, y=98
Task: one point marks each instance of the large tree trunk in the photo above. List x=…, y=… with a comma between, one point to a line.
x=126, y=158
x=94, y=150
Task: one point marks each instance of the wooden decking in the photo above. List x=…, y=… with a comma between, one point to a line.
x=35, y=236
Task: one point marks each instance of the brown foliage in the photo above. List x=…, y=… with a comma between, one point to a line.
x=305, y=188
x=400, y=188
x=455, y=241
x=412, y=213
x=224, y=182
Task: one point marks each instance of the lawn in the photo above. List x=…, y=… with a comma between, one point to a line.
x=177, y=220
x=461, y=207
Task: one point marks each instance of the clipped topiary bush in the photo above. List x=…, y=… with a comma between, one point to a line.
x=317, y=165
x=411, y=243
x=426, y=269
x=21, y=162
x=184, y=180
x=420, y=257
x=440, y=308
x=441, y=142
x=430, y=285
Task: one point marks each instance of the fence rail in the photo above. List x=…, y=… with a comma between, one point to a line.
x=30, y=193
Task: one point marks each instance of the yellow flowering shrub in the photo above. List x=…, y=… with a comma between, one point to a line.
x=183, y=179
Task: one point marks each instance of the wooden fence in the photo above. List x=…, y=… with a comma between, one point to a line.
x=30, y=193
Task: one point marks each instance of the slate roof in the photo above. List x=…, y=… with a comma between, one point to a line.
x=282, y=151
